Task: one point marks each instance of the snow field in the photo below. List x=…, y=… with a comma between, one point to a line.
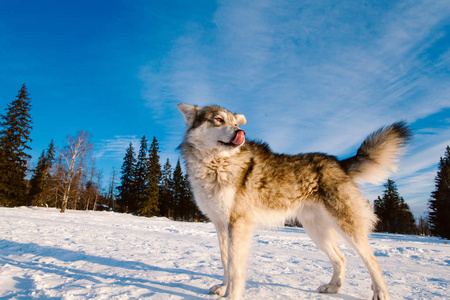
x=103, y=255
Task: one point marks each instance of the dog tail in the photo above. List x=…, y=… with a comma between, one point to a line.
x=378, y=154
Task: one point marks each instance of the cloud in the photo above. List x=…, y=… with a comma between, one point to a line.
x=115, y=148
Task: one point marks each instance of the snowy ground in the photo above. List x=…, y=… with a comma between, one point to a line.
x=104, y=255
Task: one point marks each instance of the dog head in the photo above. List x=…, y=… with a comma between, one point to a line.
x=213, y=128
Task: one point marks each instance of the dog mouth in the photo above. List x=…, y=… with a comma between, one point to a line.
x=238, y=140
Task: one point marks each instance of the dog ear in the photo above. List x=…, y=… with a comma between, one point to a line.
x=240, y=119
x=189, y=112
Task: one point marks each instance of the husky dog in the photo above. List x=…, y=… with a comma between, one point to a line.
x=242, y=184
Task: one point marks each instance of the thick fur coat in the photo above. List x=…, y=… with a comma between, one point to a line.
x=241, y=184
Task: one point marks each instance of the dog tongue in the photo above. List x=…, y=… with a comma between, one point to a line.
x=239, y=139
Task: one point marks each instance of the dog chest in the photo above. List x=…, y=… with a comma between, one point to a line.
x=213, y=184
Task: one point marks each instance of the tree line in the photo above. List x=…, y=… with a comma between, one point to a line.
x=147, y=189
x=394, y=213
x=68, y=179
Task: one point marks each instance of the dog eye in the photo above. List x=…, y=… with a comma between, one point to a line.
x=219, y=120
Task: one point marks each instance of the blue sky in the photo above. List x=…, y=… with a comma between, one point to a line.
x=308, y=75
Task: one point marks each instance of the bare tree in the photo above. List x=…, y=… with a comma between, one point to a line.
x=72, y=158
x=110, y=195
x=90, y=188
x=97, y=188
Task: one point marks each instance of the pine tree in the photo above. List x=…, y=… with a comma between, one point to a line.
x=178, y=189
x=14, y=138
x=194, y=214
x=439, y=203
x=150, y=206
x=393, y=212
x=50, y=155
x=40, y=182
x=37, y=181
x=141, y=175
x=166, y=204
x=126, y=198
x=49, y=184
x=183, y=202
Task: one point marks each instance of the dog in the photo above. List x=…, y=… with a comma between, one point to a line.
x=241, y=184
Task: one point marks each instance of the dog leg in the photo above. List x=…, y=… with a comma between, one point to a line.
x=351, y=215
x=324, y=236
x=239, y=243
x=361, y=245
x=222, y=234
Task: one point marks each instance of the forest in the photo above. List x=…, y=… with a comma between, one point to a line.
x=67, y=178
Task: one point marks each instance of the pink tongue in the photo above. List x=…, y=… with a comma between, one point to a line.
x=239, y=139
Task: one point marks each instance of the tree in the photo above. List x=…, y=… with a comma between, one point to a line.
x=37, y=182
x=193, y=213
x=393, y=212
x=151, y=203
x=178, y=192
x=127, y=193
x=97, y=190
x=72, y=164
x=439, y=203
x=141, y=176
x=91, y=190
x=110, y=195
x=40, y=182
x=186, y=209
x=14, y=138
x=423, y=227
x=166, y=201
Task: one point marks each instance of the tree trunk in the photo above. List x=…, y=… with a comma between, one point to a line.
x=64, y=202
x=95, y=202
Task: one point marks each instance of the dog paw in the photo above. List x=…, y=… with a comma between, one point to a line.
x=218, y=289
x=329, y=288
x=380, y=295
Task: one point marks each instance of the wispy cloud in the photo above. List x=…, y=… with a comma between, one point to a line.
x=115, y=148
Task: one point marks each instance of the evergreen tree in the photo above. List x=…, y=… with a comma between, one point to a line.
x=49, y=179
x=40, y=182
x=14, y=138
x=50, y=155
x=166, y=205
x=439, y=203
x=127, y=194
x=151, y=206
x=141, y=176
x=183, y=202
x=393, y=212
x=194, y=214
x=37, y=181
x=56, y=184
x=178, y=192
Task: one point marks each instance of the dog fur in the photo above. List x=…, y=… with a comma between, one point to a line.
x=241, y=184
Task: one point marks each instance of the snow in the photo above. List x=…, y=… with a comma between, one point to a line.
x=104, y=255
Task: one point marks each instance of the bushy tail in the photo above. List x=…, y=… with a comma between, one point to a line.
x=378, y=154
